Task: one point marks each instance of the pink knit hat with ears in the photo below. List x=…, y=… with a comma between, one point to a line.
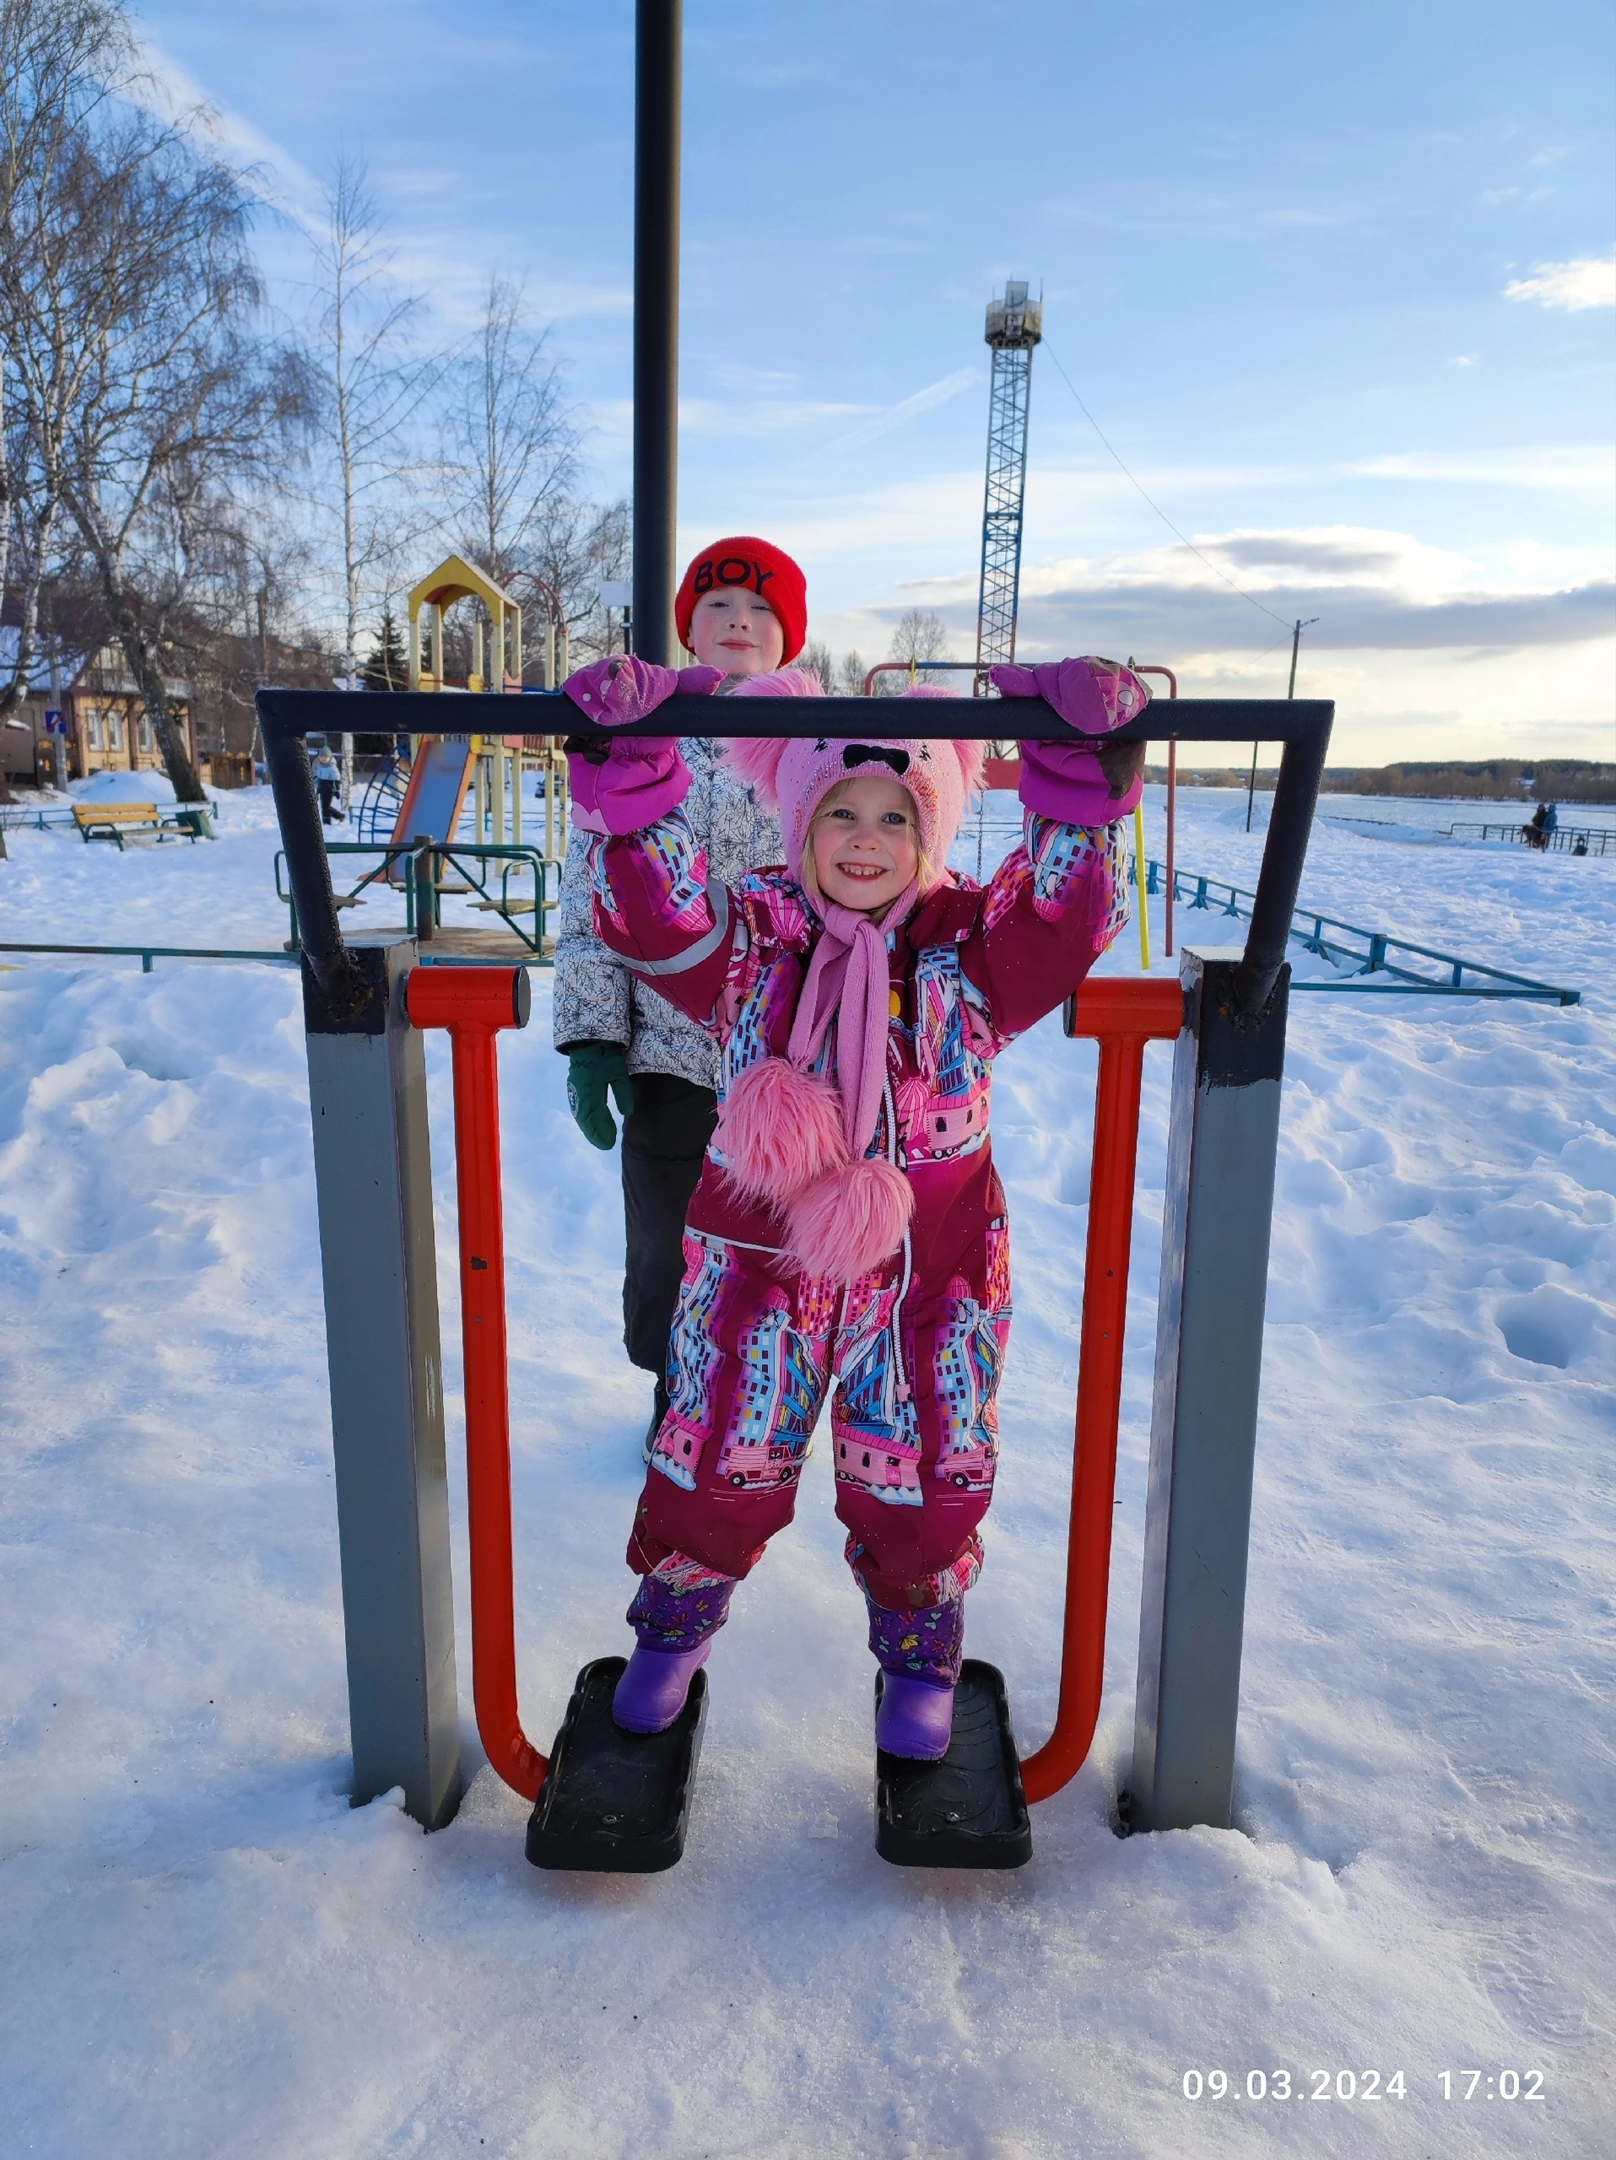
x=793, y=777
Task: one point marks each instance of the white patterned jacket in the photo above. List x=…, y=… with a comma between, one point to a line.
x=597, y=998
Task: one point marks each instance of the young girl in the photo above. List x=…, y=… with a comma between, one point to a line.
x=848, y=1230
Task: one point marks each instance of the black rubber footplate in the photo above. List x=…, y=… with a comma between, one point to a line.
x=967, y=1811
x=616, y=1803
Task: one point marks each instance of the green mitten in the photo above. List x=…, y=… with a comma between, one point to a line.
x=592, y=1067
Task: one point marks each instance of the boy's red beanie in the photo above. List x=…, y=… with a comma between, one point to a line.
x=747, y=565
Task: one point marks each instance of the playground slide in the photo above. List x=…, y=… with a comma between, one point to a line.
x=432, y=801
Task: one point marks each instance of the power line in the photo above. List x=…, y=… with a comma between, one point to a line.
x=1156, y=506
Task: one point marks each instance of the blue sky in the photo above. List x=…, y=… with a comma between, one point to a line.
x=1276, y=248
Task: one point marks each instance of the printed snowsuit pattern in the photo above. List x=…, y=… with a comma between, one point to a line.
x=910, y=1353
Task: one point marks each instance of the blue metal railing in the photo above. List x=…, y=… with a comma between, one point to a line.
x=1372, y=954
x=147, y=955
x=1564, y=840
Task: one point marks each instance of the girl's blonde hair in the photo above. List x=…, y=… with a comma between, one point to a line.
x=808, y=877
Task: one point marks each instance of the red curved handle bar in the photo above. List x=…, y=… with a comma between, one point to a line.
x=1123, y=1014
x=474, y=1004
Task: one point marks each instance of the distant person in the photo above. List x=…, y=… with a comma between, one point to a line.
x=1551, y=824
x=620, y=1037
x=328, y=778
x=1538, y=830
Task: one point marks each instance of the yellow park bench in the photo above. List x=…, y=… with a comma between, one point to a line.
x=113, y=820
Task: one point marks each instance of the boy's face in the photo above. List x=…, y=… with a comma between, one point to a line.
x=865, y=848
x=738, y=632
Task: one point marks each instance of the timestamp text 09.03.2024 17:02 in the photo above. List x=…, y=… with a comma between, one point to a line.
x=1357, y=2085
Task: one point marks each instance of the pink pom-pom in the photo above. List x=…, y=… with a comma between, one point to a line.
x=847, y=1224
x=779, y=1130
x=784, y=682
x=972, y=756
x=755, y=762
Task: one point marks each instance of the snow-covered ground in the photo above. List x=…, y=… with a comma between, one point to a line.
x=207, y=1951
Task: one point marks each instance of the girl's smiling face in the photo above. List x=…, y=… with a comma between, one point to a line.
x=864, y=844
x=736, y=631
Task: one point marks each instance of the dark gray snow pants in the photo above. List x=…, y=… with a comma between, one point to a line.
x=664, y=1144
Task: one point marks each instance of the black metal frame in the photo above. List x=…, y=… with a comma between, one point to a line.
x=658, y=64
x=1302, y=725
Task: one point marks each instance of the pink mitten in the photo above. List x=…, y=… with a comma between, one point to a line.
x=621, y=688
x=1081, y=786
x=1081, y=783
x=1093, y=696
x=623, y=786
x=636, y=781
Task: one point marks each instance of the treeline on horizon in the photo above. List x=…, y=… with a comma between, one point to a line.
x=1482, y=779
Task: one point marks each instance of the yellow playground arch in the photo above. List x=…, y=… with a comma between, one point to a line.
x=443, y=769
x=456, y=579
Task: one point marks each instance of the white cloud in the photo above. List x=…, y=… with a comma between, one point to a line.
x=1563, y=466
x=1587, y=282
x=166, y=89
x=882, y=423
x=1284, y=563
x=757, y=416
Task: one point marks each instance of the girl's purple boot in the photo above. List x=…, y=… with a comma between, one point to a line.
x=654, y=1687
x=919, y=1651
x=915, y=1719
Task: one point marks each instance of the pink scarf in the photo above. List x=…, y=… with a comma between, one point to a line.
x=848, y=976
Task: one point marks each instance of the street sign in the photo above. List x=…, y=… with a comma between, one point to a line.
x=55, y=723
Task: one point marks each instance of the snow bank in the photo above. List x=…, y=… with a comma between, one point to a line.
x=208, y=1951
x=123, y=787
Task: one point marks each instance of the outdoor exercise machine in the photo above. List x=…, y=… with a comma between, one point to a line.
x=608, y=1800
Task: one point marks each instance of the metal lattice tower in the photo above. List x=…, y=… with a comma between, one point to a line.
x=1014, y=326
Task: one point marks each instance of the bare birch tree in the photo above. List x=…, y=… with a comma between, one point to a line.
x=576, y=548
x=374, y=383
x=510, y=451
x=150, y=400
x=918, y=635
x=182, y=405
x=56, y=57
x=817, y=658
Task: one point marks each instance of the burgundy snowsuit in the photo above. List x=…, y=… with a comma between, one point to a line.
x=912, y=1350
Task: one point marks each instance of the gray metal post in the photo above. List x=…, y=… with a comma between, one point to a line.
x=373, y=1186
x=1221, y=1148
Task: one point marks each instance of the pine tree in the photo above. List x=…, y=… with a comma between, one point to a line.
x=388, y=667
